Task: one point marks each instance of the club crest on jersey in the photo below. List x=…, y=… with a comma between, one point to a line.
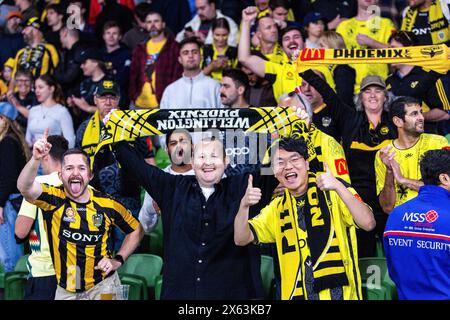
x=69, y=215
x=97, y=219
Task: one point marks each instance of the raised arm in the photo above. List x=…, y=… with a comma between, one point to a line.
x=361, y=213
x=254, y=63
x=26, y=183
x=242, y=233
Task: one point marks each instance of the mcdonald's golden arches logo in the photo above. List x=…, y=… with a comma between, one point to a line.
x=341, y=166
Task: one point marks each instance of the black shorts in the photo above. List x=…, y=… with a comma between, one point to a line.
x=41, y=288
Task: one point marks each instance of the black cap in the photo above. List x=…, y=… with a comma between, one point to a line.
x=312, y=17
x=108, y=87
x=33, y=22
x=90, y=53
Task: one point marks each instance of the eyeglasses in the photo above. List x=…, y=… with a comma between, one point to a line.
x=295, y=161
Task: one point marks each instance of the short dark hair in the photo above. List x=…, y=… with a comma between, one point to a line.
x=111, y=24
x=257, y=21
x=239, y=77
x=434, y=163
x=273, y=4
x=406, y=38
x=154, y=12
x=290, y=144
x=190, y=40
x=77, y=151
x=142, y=9
x=57, y=7
x=171, y=132
x=398, y=106
x=59, y=146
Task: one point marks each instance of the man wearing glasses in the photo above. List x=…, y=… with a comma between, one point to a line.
x=108, y=177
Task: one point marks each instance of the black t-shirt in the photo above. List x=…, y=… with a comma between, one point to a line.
x=422, y=28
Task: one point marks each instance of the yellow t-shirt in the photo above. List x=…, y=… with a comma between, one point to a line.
x=40, y=261
x=377, y=28
x=217, y=74
x=277, y=55
x=147, y=99
x=285, y=76
x=408, y=159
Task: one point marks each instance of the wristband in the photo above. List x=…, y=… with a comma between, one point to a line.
x=119, y=258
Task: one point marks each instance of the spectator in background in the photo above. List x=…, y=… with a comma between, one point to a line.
x=68, y=73
x=200, y=25
x=366, y=30
x=193, y=89
x=95, y=71
x=425, y=252
x=154, y=64
x=429, y=20
x=314, y=25
x=11, y=39
x=55, y=22
x=6, y=7
x=50, y=113
x=108, y=177
x=27, y=9
x=218, y=55
x=117, y=59
x=343, y=75
x=179, y=147
x=259, y=93
x=15, y=153
x=41, y=285
x=77, y=18
x=233, y=85
x=265, y=40
x=7, y=71
x=138, y=33
x=426, y=85
x=280, y=13
x=24, y=98
x=38, y=57
x=112, y=10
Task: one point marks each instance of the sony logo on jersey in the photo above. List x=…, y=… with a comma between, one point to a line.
x=421, y=31
x=76, y=236
x=430, y=216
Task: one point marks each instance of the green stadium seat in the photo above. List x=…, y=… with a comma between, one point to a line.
x=138, y=286
x=15, y=281
x=158, y=286
x=2, y=277
x=146, y=266
x=267, y=275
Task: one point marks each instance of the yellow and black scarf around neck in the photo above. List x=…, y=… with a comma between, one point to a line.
x=91, y=136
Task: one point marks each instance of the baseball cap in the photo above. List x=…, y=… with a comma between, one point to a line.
x=34, y=22
x=90, y=53
x=312, y=17
x=12, y=14
x=108, y=87
x=7, y=110
x=372, y=81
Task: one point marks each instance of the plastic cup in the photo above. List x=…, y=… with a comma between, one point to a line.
x=122, y=291
x=108, y=293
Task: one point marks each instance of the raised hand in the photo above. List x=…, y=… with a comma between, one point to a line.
x=327, y=181
x=397, y=171
x=252, y=195
x=41, y=147
x=249, y=14
x=386, y=155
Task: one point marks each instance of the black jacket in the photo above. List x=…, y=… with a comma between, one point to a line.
x=68, y=72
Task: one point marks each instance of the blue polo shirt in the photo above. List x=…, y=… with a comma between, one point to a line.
x=417, y=245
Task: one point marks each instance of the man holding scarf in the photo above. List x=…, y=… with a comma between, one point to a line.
x=313, y=225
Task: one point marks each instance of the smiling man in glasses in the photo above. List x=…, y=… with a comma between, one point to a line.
x=108, y=177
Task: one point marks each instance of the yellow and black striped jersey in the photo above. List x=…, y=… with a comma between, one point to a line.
x=78, y=234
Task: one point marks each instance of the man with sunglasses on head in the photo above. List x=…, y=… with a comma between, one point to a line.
x=108, y=177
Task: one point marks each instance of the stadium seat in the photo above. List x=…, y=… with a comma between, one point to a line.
x=153, y=242
x=15, y=281
x=2, y=277
x=138, y=286
x=147, y=266
x=376, y=284
x=379, y=247
x=158, y=286
x=267, y=275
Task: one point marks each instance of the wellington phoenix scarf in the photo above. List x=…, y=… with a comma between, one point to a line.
x=131, y=124
x=434, y=57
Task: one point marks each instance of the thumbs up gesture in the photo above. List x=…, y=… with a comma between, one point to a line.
x=326, y=181
x=252, y=195
x=41, y=147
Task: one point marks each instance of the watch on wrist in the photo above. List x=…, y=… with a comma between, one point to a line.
x=119, y=258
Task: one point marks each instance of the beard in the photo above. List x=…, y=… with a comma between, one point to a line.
x=155, y=32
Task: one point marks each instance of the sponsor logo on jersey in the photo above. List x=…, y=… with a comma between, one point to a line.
x=69, y=215
x=341, y=166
